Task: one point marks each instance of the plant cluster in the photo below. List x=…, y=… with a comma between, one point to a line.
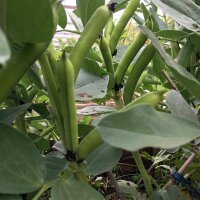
x=70, y=116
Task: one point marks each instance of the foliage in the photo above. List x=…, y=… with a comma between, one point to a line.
x=70, y=115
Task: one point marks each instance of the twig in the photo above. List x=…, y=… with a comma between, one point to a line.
x=115, y=184
x=151, y=167
x=169, y=80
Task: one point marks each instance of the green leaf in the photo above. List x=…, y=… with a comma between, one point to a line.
x=93, y=67
x=87, y=8
x=179, y=106
x=182, y=75
x=195, y=39
x=40, y=142
x=7, y=116
x=89, y=86
x=158, y=66
x=22, y=169
x=54, y=166
x=27, y=21
x=141, y=127
x=71, y=189
x=161, y=24
x=62, y=17
x=172, y=193
x=5, y=52
x=185, y=12
x=172, y=34
x=106, y=153
x=84, y=129
x=9, y=197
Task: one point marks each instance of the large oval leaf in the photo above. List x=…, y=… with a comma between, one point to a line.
x=106, y=153
x=185, y=12
x=27, y=21
x=5, y=52
x=179, y=106
x=22, y=169
x=141, y=126
x=7, y=116
x=54, y=167
x=71, y=189
x=89, y=86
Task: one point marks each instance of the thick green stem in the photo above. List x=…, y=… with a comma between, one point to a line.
x=118, y=101
x=79, y=173
x=45, y=133
x=42, y=190
x=143, y=172
x=53, y=93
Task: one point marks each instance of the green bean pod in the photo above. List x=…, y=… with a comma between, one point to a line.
x=15, y=68
x=89, y=35
x=151, y=98
x=119, y=28
x=107, y=57
x=88, y=144
x=137, y=69
x=128, y=57
x=109, y=28
x=65, y=78
x=184, y=56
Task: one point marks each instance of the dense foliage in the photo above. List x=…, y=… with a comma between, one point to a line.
x=113, y=115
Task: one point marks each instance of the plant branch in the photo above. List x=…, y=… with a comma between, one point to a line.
x=115, y=184
x=70, y=31
x=143, y=172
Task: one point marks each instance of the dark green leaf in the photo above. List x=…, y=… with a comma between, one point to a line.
x=172, y=34
x=87, y=8
x=34, y=76
x=27, y=21
x=7, y=116
x=62, y=17
x=54, y=166
x=41, y=108
x=84, y=129
x=182, y=75
x=185, y=12
x=41, y=143
x=22, y=169
x=106, y=153
x=9, y=197
x=195, y=39
x=172, y=193
x=71, y=189
x=141, y=127
x=5, y=52
x=93, y=67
